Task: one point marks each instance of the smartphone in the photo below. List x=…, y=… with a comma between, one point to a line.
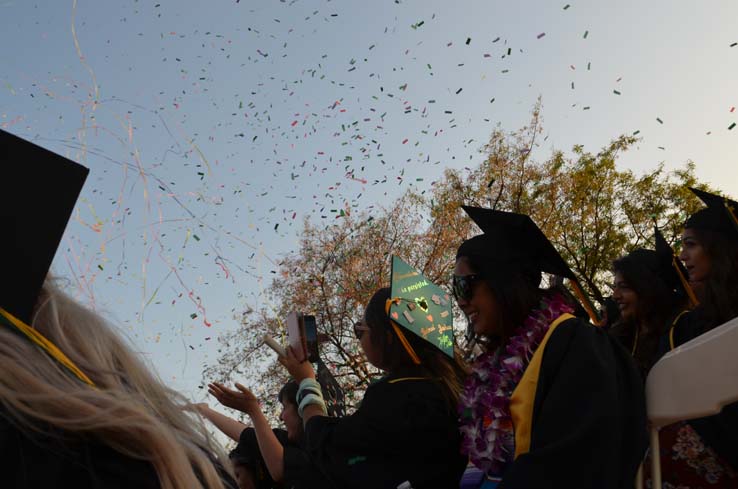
x=311, y=338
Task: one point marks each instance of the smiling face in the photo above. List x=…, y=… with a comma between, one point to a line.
x=694, y=257
x=625, y=297
x=481, y=307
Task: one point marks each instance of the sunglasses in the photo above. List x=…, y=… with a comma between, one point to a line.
x=359, y=328
x=463, y=286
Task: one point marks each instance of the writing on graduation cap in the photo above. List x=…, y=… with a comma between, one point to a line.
x=415, y=286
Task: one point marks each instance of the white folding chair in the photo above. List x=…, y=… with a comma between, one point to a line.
x=694, y=380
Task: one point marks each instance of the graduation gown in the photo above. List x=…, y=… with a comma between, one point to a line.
x=38, y=461
x=403, y=431
x=579, y=413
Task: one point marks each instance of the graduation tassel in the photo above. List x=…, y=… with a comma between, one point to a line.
x=406, y=344
x=45, y=345
x=685, y=283
x=584, y=301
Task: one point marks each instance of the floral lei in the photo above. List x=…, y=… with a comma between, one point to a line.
x=486, y=424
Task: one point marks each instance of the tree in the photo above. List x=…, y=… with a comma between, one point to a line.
x=592, y=211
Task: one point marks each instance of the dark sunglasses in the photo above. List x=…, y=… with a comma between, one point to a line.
x=359, y=329
x=463, y=286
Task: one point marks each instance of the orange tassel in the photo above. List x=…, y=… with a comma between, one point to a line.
x=398, y=330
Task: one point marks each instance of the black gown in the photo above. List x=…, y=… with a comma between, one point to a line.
x=403, y=431
x=588, y=422
x=39, y=461
x=299, y=472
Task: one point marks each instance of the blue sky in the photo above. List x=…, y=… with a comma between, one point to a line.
x=213, y=129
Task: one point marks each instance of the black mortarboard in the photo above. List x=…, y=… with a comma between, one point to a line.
x=516, y=239
x=39, y=194
x=719, y=215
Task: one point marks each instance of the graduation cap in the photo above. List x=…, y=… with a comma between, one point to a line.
x=518, y=241
x=721, y=214
x=39, y=194
x=38, y=197
x=420, y=307
x=663, y=264
x=517, y=238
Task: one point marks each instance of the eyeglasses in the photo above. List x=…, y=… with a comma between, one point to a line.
x=463, y=286
x=359, y=329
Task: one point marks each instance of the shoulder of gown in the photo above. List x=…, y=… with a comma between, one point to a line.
x=403, y=430
x=589, y=415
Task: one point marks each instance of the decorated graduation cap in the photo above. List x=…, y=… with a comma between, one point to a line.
x=721, y=214
x=519, y=243
x=39, y=193
x=420, y=307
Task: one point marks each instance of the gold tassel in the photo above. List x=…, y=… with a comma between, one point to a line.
x=400, y=334
x=46, y=345
x=685, y=283
x=585, y=301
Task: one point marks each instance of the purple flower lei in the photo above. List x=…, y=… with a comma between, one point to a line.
x=486, y=424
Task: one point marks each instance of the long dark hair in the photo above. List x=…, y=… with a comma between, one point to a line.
x=657, y=307
x=396, y=360
x=719, y=295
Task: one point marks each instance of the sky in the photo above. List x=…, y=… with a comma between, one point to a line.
x=213, y=130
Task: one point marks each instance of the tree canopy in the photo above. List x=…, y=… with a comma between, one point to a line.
x=592, y=211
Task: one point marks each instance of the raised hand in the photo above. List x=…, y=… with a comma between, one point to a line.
x=298, y=370
x=242, y=399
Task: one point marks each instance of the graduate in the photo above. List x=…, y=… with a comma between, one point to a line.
x=405, y=431
x=78, y=408
x=703, y=452
x=652, y=292
x=553, y=401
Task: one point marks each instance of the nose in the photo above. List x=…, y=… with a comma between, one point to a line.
x=683, y=255
x=616, y=294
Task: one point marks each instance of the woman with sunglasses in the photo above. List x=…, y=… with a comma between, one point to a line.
x=553, y=401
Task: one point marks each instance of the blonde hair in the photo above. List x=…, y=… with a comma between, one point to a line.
x=130, y=410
